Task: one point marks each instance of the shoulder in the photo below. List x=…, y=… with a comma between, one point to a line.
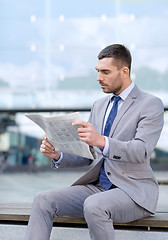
x=150, y=105
x=102, y=101
x=148, y=98
x=100, y=105
x=99, y=108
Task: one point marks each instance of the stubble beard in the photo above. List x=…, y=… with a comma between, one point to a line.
x=115, y=91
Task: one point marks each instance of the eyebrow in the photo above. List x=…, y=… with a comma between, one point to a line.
x=102, y=70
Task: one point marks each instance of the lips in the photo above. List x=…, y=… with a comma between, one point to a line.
x=102, y=85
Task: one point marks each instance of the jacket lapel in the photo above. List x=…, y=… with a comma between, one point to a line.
x=102, y=113
x=126, y=105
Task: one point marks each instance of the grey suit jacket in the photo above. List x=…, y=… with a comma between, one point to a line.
x=133, y=136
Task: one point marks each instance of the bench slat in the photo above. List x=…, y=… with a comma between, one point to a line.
x=20, y=213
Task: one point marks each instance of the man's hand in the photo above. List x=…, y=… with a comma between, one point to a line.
x=48, y=150
x=88, y=134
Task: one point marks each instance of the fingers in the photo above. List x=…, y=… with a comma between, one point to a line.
x=45, y=137
x=46, y=147
x=84, y=127
x=85, y=130
x=80, y=123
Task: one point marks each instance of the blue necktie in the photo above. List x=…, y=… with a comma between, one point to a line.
x=103, y=179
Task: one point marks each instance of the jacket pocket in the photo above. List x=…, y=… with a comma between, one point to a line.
x=139, y=174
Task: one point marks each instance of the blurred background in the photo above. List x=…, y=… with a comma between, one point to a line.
x=48, y=53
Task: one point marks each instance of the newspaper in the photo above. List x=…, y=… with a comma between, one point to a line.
x=62, y=135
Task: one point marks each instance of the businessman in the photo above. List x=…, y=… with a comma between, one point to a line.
x=124, y=128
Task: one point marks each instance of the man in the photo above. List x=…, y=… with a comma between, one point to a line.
x=124, y=128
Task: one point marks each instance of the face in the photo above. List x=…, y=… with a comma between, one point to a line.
x=111, y=78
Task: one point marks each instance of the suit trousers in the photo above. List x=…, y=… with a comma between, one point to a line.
x=100, y=209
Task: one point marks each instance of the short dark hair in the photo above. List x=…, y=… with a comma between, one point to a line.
x=118, y=52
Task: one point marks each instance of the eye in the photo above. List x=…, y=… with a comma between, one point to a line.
x=106, y=72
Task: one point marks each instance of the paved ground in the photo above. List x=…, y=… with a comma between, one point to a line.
x=8, y=232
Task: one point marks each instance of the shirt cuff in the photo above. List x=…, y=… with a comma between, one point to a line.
x=106, y=147
x=57, y=162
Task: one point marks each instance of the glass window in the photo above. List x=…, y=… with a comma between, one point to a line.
x=48, y=49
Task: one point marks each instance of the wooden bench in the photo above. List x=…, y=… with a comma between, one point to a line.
x=163, y=181
x=18, y=213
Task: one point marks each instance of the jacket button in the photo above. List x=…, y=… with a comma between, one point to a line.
x=109, y=173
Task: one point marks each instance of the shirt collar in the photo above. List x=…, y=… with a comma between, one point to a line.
x=124, y=94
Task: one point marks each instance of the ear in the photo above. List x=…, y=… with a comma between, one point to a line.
x=125, y=72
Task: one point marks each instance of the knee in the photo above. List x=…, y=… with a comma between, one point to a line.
x=94, y=209
x=41, y=202
x=91, y=207
x=39, y=197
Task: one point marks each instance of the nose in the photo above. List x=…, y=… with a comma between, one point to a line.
x=99, y=77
